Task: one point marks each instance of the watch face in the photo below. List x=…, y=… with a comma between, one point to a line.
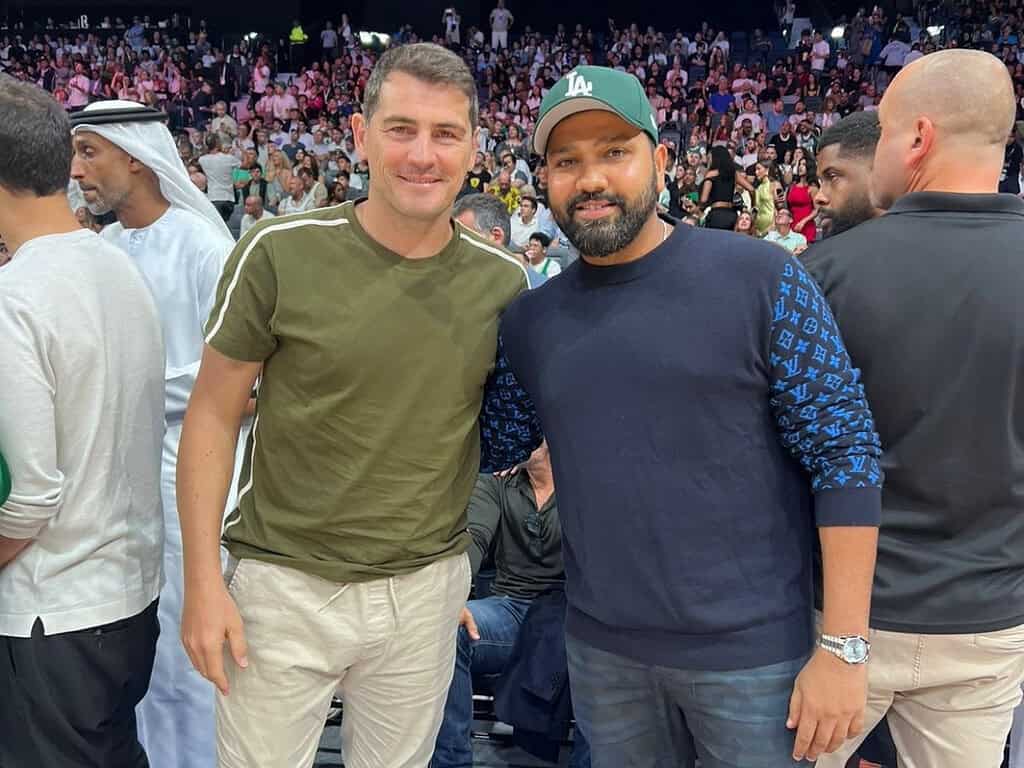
x=855, y=651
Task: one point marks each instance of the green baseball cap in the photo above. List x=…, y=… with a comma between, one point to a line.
x=586, y=88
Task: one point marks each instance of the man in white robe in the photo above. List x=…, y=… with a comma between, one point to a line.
x=126, y=162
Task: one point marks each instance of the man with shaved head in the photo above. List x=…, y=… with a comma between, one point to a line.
x=928, y=296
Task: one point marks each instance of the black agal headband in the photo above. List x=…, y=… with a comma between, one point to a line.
x=117, y=115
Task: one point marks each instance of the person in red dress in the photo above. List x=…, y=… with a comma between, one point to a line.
x=800, y=199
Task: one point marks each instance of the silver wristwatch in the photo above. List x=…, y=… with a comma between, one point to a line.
x=853, y=649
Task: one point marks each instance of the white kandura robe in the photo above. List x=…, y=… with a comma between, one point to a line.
x=181, y=257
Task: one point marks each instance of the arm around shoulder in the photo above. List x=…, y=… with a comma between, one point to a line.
x=509, y=427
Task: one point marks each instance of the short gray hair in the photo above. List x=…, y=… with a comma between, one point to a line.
x=428, y=62
x=488, y=212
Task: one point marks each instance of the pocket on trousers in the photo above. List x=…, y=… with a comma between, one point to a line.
x=467, y=572
x=231, y=573
x=1004, y=640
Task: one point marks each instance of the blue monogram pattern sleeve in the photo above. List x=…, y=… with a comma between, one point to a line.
x=509, y=427
x=821, y=412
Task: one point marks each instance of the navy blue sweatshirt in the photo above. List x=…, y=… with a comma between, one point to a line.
x=703, y=417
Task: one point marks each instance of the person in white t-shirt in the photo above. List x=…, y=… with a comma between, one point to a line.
x=750, y=113
x=537, y=256
x=81, y=426
x=283, y=102
x=78, y=88
x=219, y=168
x=260, y=77
x=279, y=136
x=298, y=200
x=321, y=146
x=254, y=214
x=501, y=22
x=820, y=52
x=524, y=223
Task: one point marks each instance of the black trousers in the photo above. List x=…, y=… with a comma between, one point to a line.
x=721, y=218
x=225, y=208
x=878, y=747
x=69, y=700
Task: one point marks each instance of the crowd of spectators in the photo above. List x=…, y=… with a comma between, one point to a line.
x=264, y=125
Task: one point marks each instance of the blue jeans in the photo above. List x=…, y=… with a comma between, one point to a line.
x=498, y=619
x=640, y=716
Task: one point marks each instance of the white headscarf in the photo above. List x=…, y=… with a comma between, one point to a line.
x=152, y=145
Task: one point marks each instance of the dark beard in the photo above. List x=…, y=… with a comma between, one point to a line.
x=600, y=239
x=853, y=214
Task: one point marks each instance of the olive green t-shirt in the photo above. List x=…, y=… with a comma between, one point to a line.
x=365, y=446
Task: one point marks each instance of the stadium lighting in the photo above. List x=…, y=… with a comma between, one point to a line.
x=374, y=40
x=838, y=33
x=935, y=31
x=252, y=35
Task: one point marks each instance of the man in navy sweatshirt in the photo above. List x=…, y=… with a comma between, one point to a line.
x=704, y=419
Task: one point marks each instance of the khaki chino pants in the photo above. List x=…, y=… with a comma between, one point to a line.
x=387, y=646
x=949, y=698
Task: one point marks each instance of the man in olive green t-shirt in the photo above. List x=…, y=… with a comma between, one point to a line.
x=373, y=330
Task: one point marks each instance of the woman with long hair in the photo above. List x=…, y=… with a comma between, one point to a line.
x=721, y=44
x=718, y=190
x=515, y=143
x=119, y=81
x=491, y=163
x=716, y=60
x=524, y=119
x=760, y=84
x=829, y=115
x=700, y=115
x=745, y=224
x=724, y=131
x=767, y=192
x=319, y=189
x=279, y=174
x=315, y=101
x=800, y=198
x=787, y=170
x=812, y=94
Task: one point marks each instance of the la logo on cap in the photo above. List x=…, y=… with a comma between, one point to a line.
x=578, y=86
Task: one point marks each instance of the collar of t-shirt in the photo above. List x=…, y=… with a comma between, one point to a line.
x=950, y=202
